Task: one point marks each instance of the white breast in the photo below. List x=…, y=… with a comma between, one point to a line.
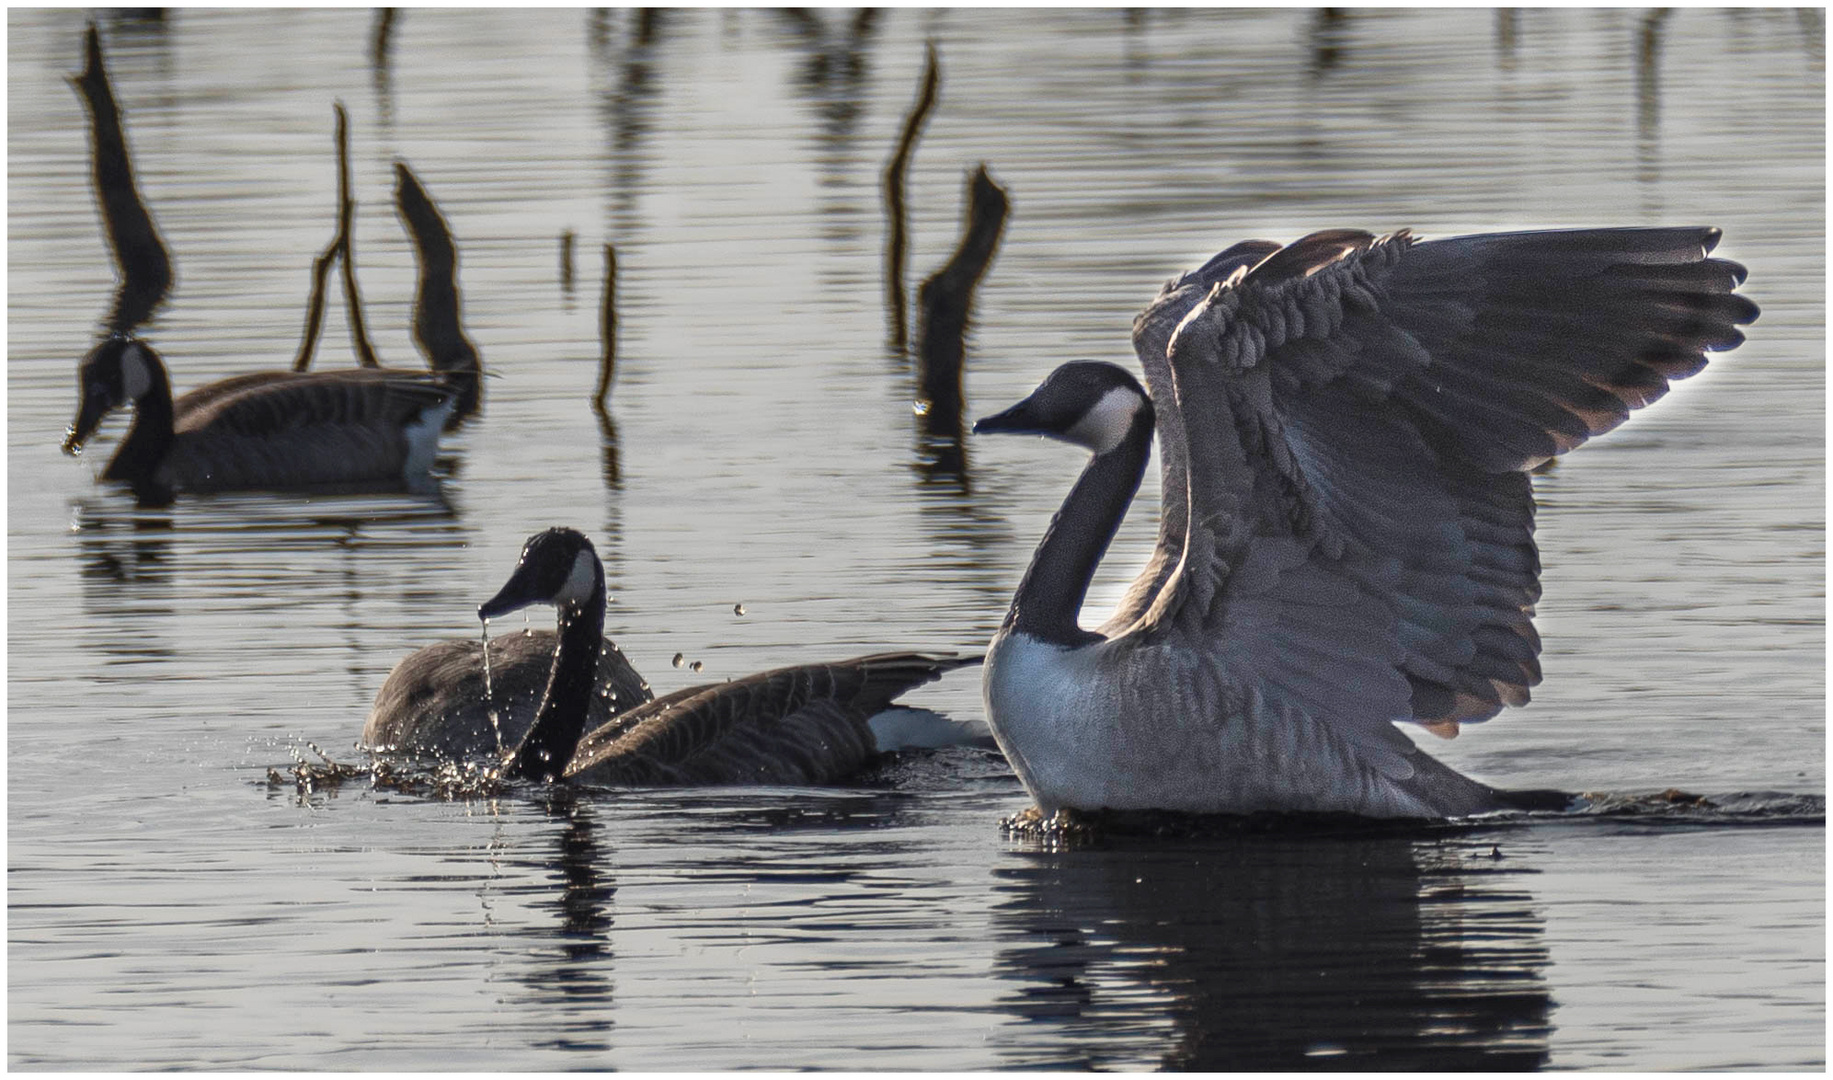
x=1109, y=726
x=1047, y=712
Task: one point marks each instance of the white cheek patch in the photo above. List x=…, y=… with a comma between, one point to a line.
x=579, y=584
x=135, y=378
x=1104, y=426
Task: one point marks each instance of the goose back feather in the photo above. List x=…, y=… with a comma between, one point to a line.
x=805, y=724
x=434, y=703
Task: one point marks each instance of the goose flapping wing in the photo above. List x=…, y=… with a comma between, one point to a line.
x=1152, y=332
x=1359, y=414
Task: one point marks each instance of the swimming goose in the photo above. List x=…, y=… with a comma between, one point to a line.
x=436, y=702
x=361, y=430
x=1356, y=417
x=796, y=725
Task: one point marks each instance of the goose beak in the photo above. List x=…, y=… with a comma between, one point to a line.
x=88, y=417
x=517, y=593
x=1017, y=420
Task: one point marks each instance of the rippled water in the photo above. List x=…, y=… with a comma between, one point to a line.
x=168, y=907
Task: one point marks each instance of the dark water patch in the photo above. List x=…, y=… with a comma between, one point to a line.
x=1672, y=807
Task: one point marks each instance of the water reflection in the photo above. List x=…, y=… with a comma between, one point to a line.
x=1278, y=953
x=1508, y=21
x=834, y=77
x=1329, y=40
x=1648, y=97
x=235, y=551
x=573, y=962
x=628, y=103
x=126, y=580
x=381, y=60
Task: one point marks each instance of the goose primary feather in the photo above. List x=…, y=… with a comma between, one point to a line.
x=1346, y=425
x=373, y=429
x=806, y=724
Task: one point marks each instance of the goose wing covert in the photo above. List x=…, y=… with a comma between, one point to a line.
x=1359, y=415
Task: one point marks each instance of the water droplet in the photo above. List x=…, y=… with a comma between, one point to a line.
x=695, y=666
x=738, y=609
x=679, y=660
x=920, y=407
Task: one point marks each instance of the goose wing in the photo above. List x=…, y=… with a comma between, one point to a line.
x=1360, y=413
x=283, y=429
x=1152, y=332
x=437, y=701
x=267, y=403
x=795, y=725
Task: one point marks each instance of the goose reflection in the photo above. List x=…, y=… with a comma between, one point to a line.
x=1278, y=952
x=127, y=596
x=572, y=970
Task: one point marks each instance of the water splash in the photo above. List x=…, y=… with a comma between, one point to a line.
x=496, y=722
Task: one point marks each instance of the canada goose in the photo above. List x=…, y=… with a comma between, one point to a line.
x=796, y=725
x=1357, y=416
x=436, y=702
x=359, y=430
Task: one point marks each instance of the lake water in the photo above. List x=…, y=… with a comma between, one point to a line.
x=167, y=907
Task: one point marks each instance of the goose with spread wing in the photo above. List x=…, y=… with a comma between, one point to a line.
x=1346, y=426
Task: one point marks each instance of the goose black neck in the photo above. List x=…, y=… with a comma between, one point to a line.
x=149, y=439
x=548, y=747
x=1051, y=594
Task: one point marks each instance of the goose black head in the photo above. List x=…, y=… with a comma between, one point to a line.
x=1086, y=402
x=557, y=567
x=118, y=371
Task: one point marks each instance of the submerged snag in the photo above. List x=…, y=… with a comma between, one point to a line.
x=338, y=248
x=897, y=173
x=438, y=323
x=607, y=333
x=143, y=267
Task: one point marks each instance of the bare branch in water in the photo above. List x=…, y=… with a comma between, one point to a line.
x=607, y=332
x=438, y=324
x=946, y=300
x=142, y=265
x=896, y=175
x=321, y=266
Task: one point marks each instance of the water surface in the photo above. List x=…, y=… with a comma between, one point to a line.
x=168, y=908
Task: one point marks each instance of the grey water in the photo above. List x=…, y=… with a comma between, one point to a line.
x=169, y=907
